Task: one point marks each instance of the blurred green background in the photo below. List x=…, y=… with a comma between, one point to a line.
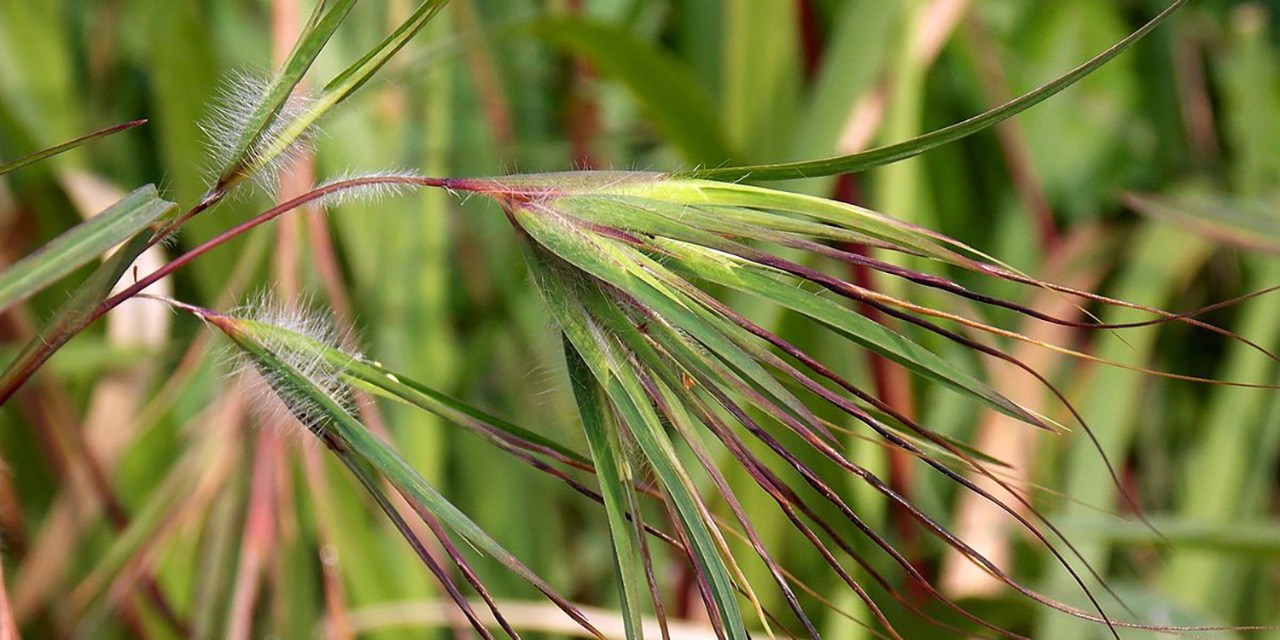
x=1157, y=181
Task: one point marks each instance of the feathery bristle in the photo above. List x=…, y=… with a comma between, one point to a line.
x=274, y=395
x=380, y=186
x=239, y=98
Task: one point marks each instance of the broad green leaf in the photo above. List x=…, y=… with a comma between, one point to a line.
x=915, y=146
x=67, y=146
x=661, y=83
x=80, y=245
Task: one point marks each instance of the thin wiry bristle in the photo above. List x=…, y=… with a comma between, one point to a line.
x=240, y=96
x=379, y=186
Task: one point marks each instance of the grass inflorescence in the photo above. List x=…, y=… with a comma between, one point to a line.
x=712, y=332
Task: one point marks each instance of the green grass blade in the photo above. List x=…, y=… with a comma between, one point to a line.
x=860, y=37
x=67, y=146
x=74, y=315
x=175, y=487
x=624, y=269
x=1246, y=223
x=359, y=72
x=81, y=244
x=628, y=398
x=1108, y=403
x=852, y=325
x=771, y=202
x=678, y=406
x=345, y=83
x=757, y=281
x=763, y=73
x=1253, y=539
x=646, y=427
x=373, y=485
x=1228, y=470
x=617, y=487
x=915, y=146
x=323, y=23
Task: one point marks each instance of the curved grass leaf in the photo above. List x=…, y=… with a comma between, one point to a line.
x=67, y=146
x=361, y=71
x=915, y=146
x=80, y=245
x=369, y=480
x=742, y=275
x=372, y=377
x=1247, y=224
x=1258, y=538
x=670, y=392
x=748, y=199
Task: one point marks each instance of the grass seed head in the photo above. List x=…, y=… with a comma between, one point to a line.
x=241, y=95
x=296, y=336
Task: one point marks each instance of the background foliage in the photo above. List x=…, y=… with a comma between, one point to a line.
x=1155, y=180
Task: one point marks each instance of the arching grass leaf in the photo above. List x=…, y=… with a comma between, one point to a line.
x=81, y=244
x=915, y=146
x=66, y=146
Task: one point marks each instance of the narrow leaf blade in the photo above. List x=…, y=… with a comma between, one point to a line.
x=67, y=146
x=80, y=245
x=900, y=151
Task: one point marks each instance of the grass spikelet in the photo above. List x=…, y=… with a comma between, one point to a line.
x=271, y=323
x=241, y=95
